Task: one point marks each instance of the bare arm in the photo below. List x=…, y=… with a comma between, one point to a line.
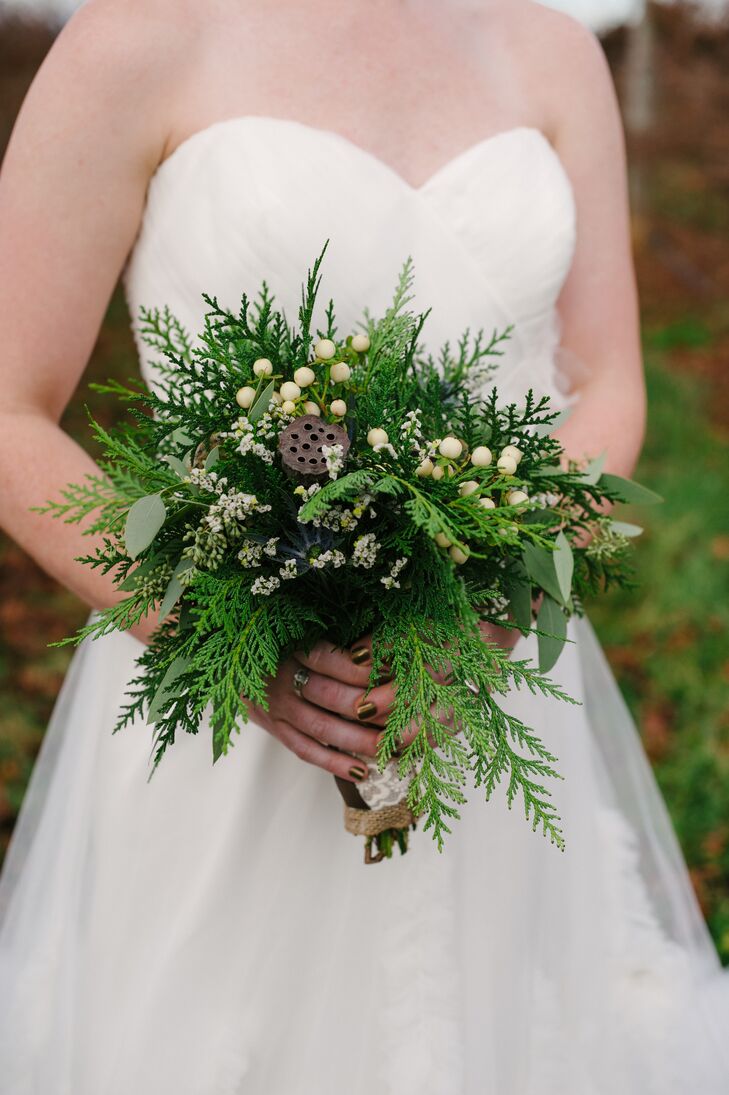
x=599, y=304
x=72, y=190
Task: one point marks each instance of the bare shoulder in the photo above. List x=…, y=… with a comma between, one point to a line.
x=560, y=62
x=129, y=35
x=548, y=34
x=114, y=68
x=566, y=64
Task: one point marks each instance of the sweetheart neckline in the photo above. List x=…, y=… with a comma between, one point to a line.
x=421, y=188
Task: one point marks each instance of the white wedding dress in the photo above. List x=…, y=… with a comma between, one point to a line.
x=214, y=931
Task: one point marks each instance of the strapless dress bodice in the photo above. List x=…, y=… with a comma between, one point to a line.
x=250, y=199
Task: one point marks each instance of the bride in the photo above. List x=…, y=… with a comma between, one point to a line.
x=214, y=931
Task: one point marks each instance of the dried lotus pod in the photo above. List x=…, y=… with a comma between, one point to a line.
x=301, y=444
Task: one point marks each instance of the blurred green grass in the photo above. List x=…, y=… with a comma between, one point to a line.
x=667, y=641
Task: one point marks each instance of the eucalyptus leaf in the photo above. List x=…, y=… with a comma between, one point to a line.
x=552, y=623
x=540, y=567
x=144, y=520
x=627, y=530
x=132, y=580
x=167, y=690
x=185, y=621
x=219, y=744
x=180, y=436
x=594, y=469
x=547, y=517
x=629, y=491
x=174, y=589
x=221, y=737
x=520, y=603
x=177, y=465
x=564, y=565
x=260, y=406
x=212, y=458
x=549, y=427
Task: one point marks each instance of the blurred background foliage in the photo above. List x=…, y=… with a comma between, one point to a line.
x=667, y=644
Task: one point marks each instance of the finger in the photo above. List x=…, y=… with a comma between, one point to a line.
x=310, y=751
x=341, y=665
x=352, y=703
x=332, y=695
x=499, y=636
x=376, y=706
x=361, y=654
x=446, y=720
x=328, y=729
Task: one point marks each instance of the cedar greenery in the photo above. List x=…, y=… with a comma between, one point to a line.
x=243, y=564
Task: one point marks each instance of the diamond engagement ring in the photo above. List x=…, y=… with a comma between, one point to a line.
x=301, y=679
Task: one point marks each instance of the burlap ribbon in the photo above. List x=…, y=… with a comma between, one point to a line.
x=371, y=823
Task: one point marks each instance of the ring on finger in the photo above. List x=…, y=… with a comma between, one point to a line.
x=301, y=679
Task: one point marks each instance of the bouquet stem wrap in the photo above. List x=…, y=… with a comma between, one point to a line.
x=377, y=809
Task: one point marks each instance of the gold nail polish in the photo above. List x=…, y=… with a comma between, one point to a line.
x=366, y=711
x=357, y=773
x=360, y=655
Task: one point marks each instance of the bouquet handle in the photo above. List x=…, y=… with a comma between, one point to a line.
x=383, y=826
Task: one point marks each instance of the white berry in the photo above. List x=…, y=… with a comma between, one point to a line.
x=325, y=349
x=507, y=465
x=481, y=457
x=263, y=367
x=288, y=406
x=338, y=407
x=289, y=390
x=516, y=497
x=513, y=452
x=425, y=469
x=442, y=540
x=451, y=448
x=458, y=556
x=469, y=487
x=339, y=372
x=304, y=376
x=437, y=472
x=312, y=408
x=244, y=397
x=361, y=343
x=487, y=503
x=276, y=397
x=377, y=436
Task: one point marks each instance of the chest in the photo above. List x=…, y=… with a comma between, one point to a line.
x=412, y=91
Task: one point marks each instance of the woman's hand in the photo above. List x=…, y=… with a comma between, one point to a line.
x=334, y=716
x=325, y=721
x=506, y=637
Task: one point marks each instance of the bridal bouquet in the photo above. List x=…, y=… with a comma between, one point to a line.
x=279, y=486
